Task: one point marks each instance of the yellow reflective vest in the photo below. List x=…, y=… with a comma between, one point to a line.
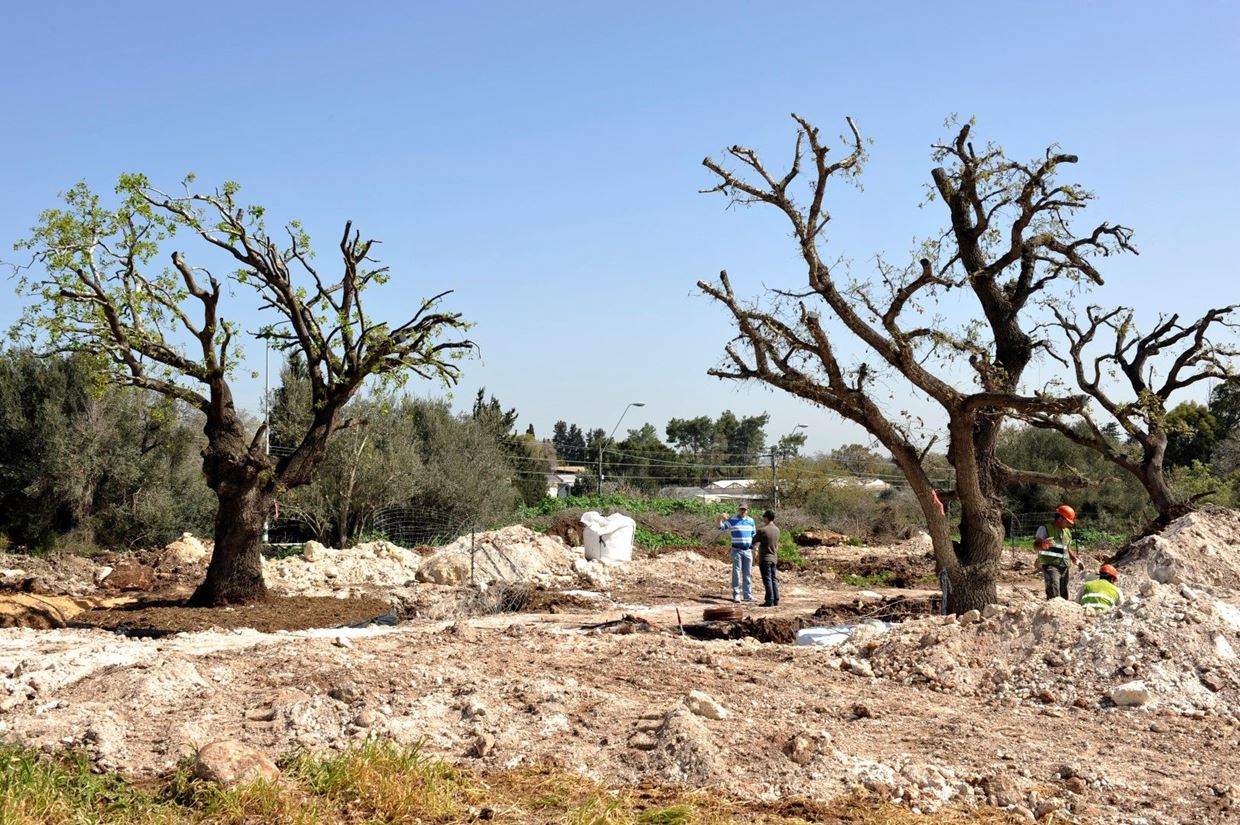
x=1061, y=541
x=1101, y=595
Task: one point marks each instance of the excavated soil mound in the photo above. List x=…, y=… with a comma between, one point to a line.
x=293, y=613
x=511, y=554
x=1179, y=642
x=569, y=528
x=1201, y=548
x=764, y=629
x=894, y=610
x=891, y=571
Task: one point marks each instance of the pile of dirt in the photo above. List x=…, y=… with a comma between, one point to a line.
x=292, y=613
x=62, y=574
x=323, y=571
x=673, y=576
x=1201, y=548
x=511, y=554
x=770, y=629
x=1178, y=642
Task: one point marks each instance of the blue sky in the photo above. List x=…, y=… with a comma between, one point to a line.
x=543, y=159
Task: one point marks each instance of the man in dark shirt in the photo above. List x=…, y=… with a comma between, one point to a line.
x=768, y=555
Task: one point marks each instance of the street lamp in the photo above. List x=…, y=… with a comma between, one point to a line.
x=613, y=432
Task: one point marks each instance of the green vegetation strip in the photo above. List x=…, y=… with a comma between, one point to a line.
x=629, y=504
x=381, y=782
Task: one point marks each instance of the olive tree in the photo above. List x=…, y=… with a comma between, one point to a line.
x=849, y=345
x=1130, y=376
x=98, y=288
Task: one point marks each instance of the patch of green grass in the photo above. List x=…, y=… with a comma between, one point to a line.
x=382, y=782
x=675, y=815
x=630, y=504
x=653, y=541
x=878, y=578
x=788, y=550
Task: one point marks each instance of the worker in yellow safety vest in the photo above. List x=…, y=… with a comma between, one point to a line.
x=1102, y=593
x=1054, y=546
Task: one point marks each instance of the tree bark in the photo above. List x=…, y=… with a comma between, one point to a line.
x=235, y=575
x=243, y=477
x=971, y=588
x=1155, y=483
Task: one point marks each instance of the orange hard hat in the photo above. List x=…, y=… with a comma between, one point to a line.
x=1069, y=515
x=1108, y=570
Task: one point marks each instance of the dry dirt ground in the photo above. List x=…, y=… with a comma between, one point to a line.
x=1015, y=707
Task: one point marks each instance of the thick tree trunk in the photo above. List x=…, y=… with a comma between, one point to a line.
x=1155, y=483
x=235, y=575
x=971, y=588
x=1154, y=480
x=971, y=583
x=241, y=473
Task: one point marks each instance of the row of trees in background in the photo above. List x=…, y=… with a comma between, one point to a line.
x=698, y=450
x=87, y=464
x=84, y=463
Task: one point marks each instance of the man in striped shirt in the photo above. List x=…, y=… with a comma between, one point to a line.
x=742, y=528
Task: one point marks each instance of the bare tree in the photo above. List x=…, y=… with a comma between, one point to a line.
x=163, y=329
x=1133, y=360
x=1010, y=238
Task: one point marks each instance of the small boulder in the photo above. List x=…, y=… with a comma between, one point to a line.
x=703, y=704
x=451, y=568
x=230, y=762
x=971, y=617
x=483, y=745
x=313, y=551
x=858, y=667
x=1131, y=694
x=129, y=575
x=800, y=749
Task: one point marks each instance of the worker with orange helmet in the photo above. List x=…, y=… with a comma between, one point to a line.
x=1054, y=546
x=1102, y=593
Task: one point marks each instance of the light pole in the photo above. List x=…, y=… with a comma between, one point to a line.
x=613, y=432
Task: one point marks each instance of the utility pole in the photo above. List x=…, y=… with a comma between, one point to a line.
x=774, y=480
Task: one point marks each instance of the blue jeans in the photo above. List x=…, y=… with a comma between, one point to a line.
x=742, y=567
x=769, y=583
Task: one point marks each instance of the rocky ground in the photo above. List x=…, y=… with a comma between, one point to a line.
x=1041, y=708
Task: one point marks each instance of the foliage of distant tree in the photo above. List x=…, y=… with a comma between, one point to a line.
x=529, y=463
x=1119, y=503
x=84, y=463
x=449, y=471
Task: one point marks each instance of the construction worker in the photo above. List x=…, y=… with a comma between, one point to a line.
x=1102, y=593
x=1054, y=546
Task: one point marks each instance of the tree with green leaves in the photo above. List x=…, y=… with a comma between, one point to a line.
x=846, y=344
x=97, y=288
x=530, y=466
x=721, y=447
